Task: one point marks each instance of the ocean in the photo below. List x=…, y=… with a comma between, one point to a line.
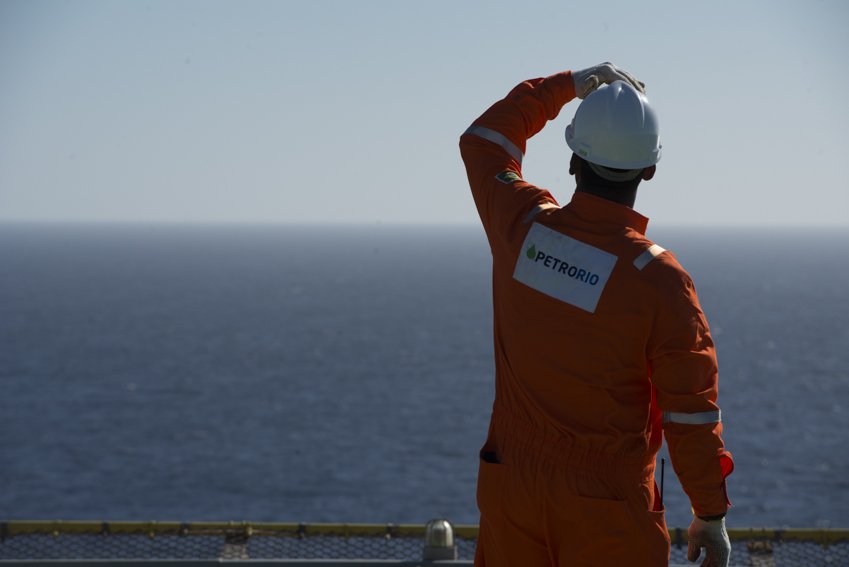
x=344, y=374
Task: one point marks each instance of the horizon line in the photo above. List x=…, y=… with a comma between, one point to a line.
x=280, y=223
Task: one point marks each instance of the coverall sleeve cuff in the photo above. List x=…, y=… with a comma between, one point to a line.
x=564, y=86
x=714, y=504
x=715, y=518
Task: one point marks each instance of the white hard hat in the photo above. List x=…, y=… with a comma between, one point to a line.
x=615, y=126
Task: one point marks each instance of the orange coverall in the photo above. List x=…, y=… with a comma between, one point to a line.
x=600, y=346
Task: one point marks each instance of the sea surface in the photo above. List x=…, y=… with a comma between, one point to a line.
x=344, y=374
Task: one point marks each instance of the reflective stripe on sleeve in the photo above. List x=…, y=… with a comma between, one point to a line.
x=497, y=138
x=646, y=257
x=538, y=209
x=692, y=418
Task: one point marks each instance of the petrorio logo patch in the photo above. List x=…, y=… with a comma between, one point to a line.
x=507, y=177
x=563, y=267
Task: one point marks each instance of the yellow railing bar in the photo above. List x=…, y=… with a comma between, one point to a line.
x=817, y=535
x=465, y=531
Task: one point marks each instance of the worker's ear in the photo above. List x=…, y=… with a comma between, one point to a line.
x=574, y=164
x=648, y=172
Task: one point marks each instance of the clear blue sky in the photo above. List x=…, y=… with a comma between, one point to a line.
x=194, y=111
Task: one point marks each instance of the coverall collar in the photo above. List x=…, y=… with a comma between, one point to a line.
x=600, y=210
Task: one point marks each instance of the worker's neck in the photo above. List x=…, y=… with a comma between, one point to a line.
x=625, y=197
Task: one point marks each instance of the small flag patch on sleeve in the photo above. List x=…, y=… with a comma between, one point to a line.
x=508, y=177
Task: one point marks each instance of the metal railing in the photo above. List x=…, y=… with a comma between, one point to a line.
x=58, y=543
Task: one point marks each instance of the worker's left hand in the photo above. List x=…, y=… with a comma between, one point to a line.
x=588, y=80
x=713, y=537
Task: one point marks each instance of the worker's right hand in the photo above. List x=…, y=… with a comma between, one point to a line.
x=588, y=80
x=713, y=537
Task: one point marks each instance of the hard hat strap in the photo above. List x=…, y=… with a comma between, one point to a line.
x=616, y=176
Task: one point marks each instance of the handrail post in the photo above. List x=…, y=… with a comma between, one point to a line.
x=439, y=541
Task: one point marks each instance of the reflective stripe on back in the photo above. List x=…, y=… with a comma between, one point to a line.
x=646, y=257
x=497, y=138
x=538, y=209
x=701, y=418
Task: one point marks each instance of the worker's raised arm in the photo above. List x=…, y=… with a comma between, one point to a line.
x=685, y=375
x=494, y=145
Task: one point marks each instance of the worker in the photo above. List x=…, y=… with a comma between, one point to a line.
x=601, y=346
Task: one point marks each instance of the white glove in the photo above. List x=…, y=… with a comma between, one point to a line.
x=713, y=537
x=588, y=80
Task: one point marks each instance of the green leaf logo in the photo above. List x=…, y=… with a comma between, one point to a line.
x=532, y=252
